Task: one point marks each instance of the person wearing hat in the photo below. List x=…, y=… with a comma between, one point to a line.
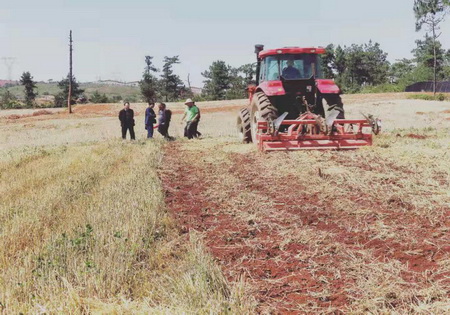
x=192, y=117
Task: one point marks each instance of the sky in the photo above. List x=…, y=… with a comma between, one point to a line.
x=111, y=37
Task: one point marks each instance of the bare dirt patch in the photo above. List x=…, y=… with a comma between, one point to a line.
x=415, y=136
x=34, y=114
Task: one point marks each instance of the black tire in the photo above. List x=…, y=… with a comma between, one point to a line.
x=261, y=109
x=243, y=125
x=334, y=101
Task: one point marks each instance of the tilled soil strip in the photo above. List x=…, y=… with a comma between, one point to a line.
x=248, y=235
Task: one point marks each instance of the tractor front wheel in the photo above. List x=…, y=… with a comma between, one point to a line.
x=261, y=110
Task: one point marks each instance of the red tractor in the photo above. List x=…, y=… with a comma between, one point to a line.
x=287, y=111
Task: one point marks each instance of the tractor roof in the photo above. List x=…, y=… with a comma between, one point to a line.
x=291, y=51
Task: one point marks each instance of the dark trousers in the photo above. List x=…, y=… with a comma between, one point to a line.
x=124, y=132
x=190, y=131
x=149, y=131
x=164, y=130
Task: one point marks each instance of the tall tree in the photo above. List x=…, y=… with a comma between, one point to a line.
x=61, y=98
x=340, y=61
x=431, y=13
x=218, y=80
x=29, y=85
x=430, y=54
x=328, y=60
x=240, y=79
x=149, y=82
x=171, y=83
x=249, y=72
x=400, y=69
x=356, y=66
x=375, y=64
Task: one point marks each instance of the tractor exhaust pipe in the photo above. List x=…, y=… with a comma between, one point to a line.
x=258, y=49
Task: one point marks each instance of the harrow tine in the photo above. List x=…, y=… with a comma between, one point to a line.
x=331, y=117
x=279, y=120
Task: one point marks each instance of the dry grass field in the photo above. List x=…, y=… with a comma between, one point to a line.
x=93, y=224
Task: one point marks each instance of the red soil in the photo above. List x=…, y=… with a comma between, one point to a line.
x=283, y=277
x=414, y=136
x=37, y=113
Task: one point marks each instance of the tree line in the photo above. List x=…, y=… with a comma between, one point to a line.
x=222, y=81
x=364, y=68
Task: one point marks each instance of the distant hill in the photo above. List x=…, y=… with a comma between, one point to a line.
x=126, y=92
x=5, y=82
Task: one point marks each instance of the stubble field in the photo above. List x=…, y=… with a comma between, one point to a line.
x=89, y=223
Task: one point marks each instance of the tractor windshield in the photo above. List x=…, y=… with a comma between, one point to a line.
x=293, y=67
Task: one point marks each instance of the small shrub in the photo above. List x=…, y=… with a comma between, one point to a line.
x=99, y=98
x=131, y=99
x=383, y=88
x=428, y=97
x=116, y=98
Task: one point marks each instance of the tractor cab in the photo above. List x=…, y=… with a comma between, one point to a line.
x=292, y=79
x=302, y=66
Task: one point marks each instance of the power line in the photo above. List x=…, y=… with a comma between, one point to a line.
x=9, y=63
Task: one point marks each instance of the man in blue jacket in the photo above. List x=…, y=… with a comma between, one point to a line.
x=150, y=119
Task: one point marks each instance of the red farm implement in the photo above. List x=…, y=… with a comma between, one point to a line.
x=303, y=134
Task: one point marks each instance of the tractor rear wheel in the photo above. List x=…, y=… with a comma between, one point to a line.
x=261, y=110
x=334, y=101
x=243, y=126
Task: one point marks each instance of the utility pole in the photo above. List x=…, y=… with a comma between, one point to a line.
x=69, y=98
x=189, y=82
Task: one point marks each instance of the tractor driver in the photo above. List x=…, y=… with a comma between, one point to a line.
x=291, y=72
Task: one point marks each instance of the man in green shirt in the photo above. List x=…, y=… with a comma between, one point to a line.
x=192, y=116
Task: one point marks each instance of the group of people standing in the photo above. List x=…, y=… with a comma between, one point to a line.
x=161, y=120
x=164, y=117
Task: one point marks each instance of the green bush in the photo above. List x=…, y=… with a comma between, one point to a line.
x=99, y=98
x=116, y=98
x=10, y=101
x=131, y=99
x=60, y=100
